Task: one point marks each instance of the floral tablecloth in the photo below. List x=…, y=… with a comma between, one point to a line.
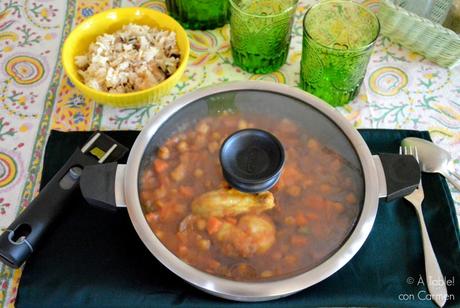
x=401, y=90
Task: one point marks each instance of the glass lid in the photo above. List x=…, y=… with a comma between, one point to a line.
x=309, y=210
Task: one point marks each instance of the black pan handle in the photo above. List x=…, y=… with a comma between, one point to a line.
x=102, y=185
x=401, y=175
x=22, y=236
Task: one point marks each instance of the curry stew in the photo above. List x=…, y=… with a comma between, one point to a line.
x=293, y=227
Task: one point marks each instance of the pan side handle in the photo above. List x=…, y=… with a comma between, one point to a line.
x=103, y=185
x=399, y=175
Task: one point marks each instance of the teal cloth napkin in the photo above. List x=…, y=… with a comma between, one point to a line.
x=94, y=258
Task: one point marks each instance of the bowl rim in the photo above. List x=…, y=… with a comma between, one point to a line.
x=146, y=11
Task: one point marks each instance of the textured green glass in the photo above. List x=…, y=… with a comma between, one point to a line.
x=261, y=33
x=337, y=44
x=199, y=14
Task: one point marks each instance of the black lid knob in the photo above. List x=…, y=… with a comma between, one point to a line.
x=252, y=160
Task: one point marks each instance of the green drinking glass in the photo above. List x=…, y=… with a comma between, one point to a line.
x=199, y=14
x=337, y=44
x=261, y=33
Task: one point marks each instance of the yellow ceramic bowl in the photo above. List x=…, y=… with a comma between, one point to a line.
x=108, y=22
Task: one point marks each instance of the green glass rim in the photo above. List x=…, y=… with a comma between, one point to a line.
x=362, y=48
x=236, y=7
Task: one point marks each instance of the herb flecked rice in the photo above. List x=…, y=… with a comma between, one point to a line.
x=134, y=58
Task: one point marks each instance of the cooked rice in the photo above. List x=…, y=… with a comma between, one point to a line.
x=134, y=58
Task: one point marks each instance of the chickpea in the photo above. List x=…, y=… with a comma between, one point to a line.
x=213, y=146
x=184, y=158
x=203, y=128
x=348, y=182
x=160, y=204
x=182, y=146
x=290, y=221
x=242, y=124
x=204, y=244
x=164, y=153
x=201, y=224
x=336, y=165
x=160, y=192
x=200, y=141
x=148, y=180
x=178, y=174
x=266, y=274
x=313, y=145
x=325, y=188
x=216, y=136
x=198, y=173
x=294, y=191
x=307, y=183
x=148, y=204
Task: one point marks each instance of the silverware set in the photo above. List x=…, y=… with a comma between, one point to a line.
x=425, y=153
x=433, y=159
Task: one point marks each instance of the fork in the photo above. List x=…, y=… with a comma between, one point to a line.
x=434, y=278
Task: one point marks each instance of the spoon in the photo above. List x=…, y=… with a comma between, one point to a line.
x=433, y=159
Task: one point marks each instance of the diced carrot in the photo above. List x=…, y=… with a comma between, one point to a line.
x=166, y=213
x=146, y=195
x=298, y=240
x=160, y=234
x=152, y=217
x=160, y=165
x=314, y=202
x=186, y=191
x=351, y=198
x=290, y=259
x=291, y=176
x=182, y=250
x=213, y=264
x=214, y=225
x=327, y=211
x=300, y=219
x=231, y=220
x=338, y=206
x=179, y=209
x=312, y=216
x=277, y=255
